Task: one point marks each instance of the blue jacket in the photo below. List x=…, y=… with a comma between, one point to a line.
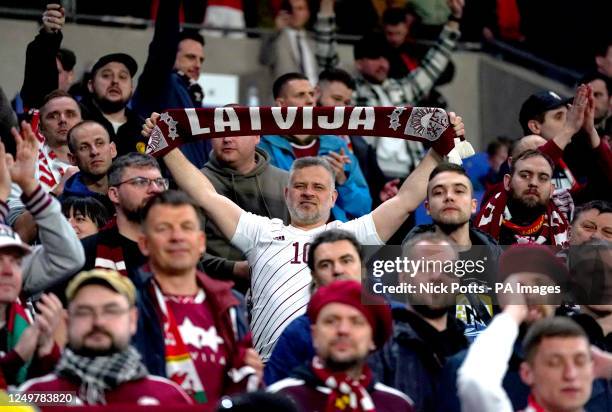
x=293, y=349
x=159, y=86
x=409, y=363
x=74, y=186
x=149, y=339
x=354, y=198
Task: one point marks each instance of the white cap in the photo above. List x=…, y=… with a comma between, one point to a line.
x=9, y=238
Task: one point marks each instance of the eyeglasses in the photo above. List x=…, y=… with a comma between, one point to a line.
x=145, y=182
x=105, y=314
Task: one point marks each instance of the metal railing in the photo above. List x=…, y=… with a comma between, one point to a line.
x=495, y=47
x=563, y=74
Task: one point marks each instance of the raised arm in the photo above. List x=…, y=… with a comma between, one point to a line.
x=480, y=378
x=60, y=253
x=575, y=118
x=222, y=211
x=419, y=82
x=155, y=77
x=326, y=49
x=218, y=208
x=389, y=216
x=41, y=75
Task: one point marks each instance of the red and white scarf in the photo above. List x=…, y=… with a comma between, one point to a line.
x=180, y=367
x=50, y=168
x=347, y=394
x=552, y=226
x=424, y=124
x=109, y=250
x=533, y=405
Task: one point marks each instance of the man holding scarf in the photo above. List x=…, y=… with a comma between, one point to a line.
x=524, y=211
x=345, y=329
x=277, y=253
x=99, y=364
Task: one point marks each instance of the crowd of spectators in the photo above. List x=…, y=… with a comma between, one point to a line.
x=234, y=273
x=527, y=25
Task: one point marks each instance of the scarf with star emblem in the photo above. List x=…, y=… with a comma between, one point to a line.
x=425, y=124
x=179, y=365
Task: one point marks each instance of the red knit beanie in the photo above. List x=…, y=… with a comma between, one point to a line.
x=348, y=292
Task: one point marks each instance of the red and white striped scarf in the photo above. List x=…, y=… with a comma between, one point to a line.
x=554, y=227
x=347, y=394
x=50, y=169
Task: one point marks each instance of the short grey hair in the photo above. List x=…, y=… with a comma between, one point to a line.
x=312, y=161
x=409, y=246
x=132, y=159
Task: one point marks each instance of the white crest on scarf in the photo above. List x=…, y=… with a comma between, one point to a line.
x=427, y=122
x=157, y=141
x=166, y=118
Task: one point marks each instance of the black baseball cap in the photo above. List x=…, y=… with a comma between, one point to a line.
x=126, y=59
x=371, y=46
x=539, y=103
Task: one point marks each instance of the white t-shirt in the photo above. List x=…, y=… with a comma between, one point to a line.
x=116, y=125
x=280, y=277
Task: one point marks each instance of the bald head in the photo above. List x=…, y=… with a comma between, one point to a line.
x=529, y=142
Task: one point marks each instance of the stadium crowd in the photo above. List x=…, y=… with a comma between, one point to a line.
x=233, y=272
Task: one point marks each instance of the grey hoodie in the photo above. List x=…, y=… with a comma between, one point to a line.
x=59, y=254
x=261, y=192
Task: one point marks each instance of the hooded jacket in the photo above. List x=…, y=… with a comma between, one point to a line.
x=421, y=366
x=160, y=87
x=60, y=252
x=485, y=249
x=353, y=196
x=261, y=191
x=75, y=187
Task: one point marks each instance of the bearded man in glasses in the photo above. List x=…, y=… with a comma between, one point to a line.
x=133, y=179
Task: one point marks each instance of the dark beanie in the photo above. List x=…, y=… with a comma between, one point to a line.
x=533, y=258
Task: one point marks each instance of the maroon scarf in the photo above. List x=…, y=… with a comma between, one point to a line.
x=424, y=124
x=347, y=394
x=554, y=227
x=109, y=251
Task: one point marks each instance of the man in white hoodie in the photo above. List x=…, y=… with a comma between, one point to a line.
x=558, y=367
